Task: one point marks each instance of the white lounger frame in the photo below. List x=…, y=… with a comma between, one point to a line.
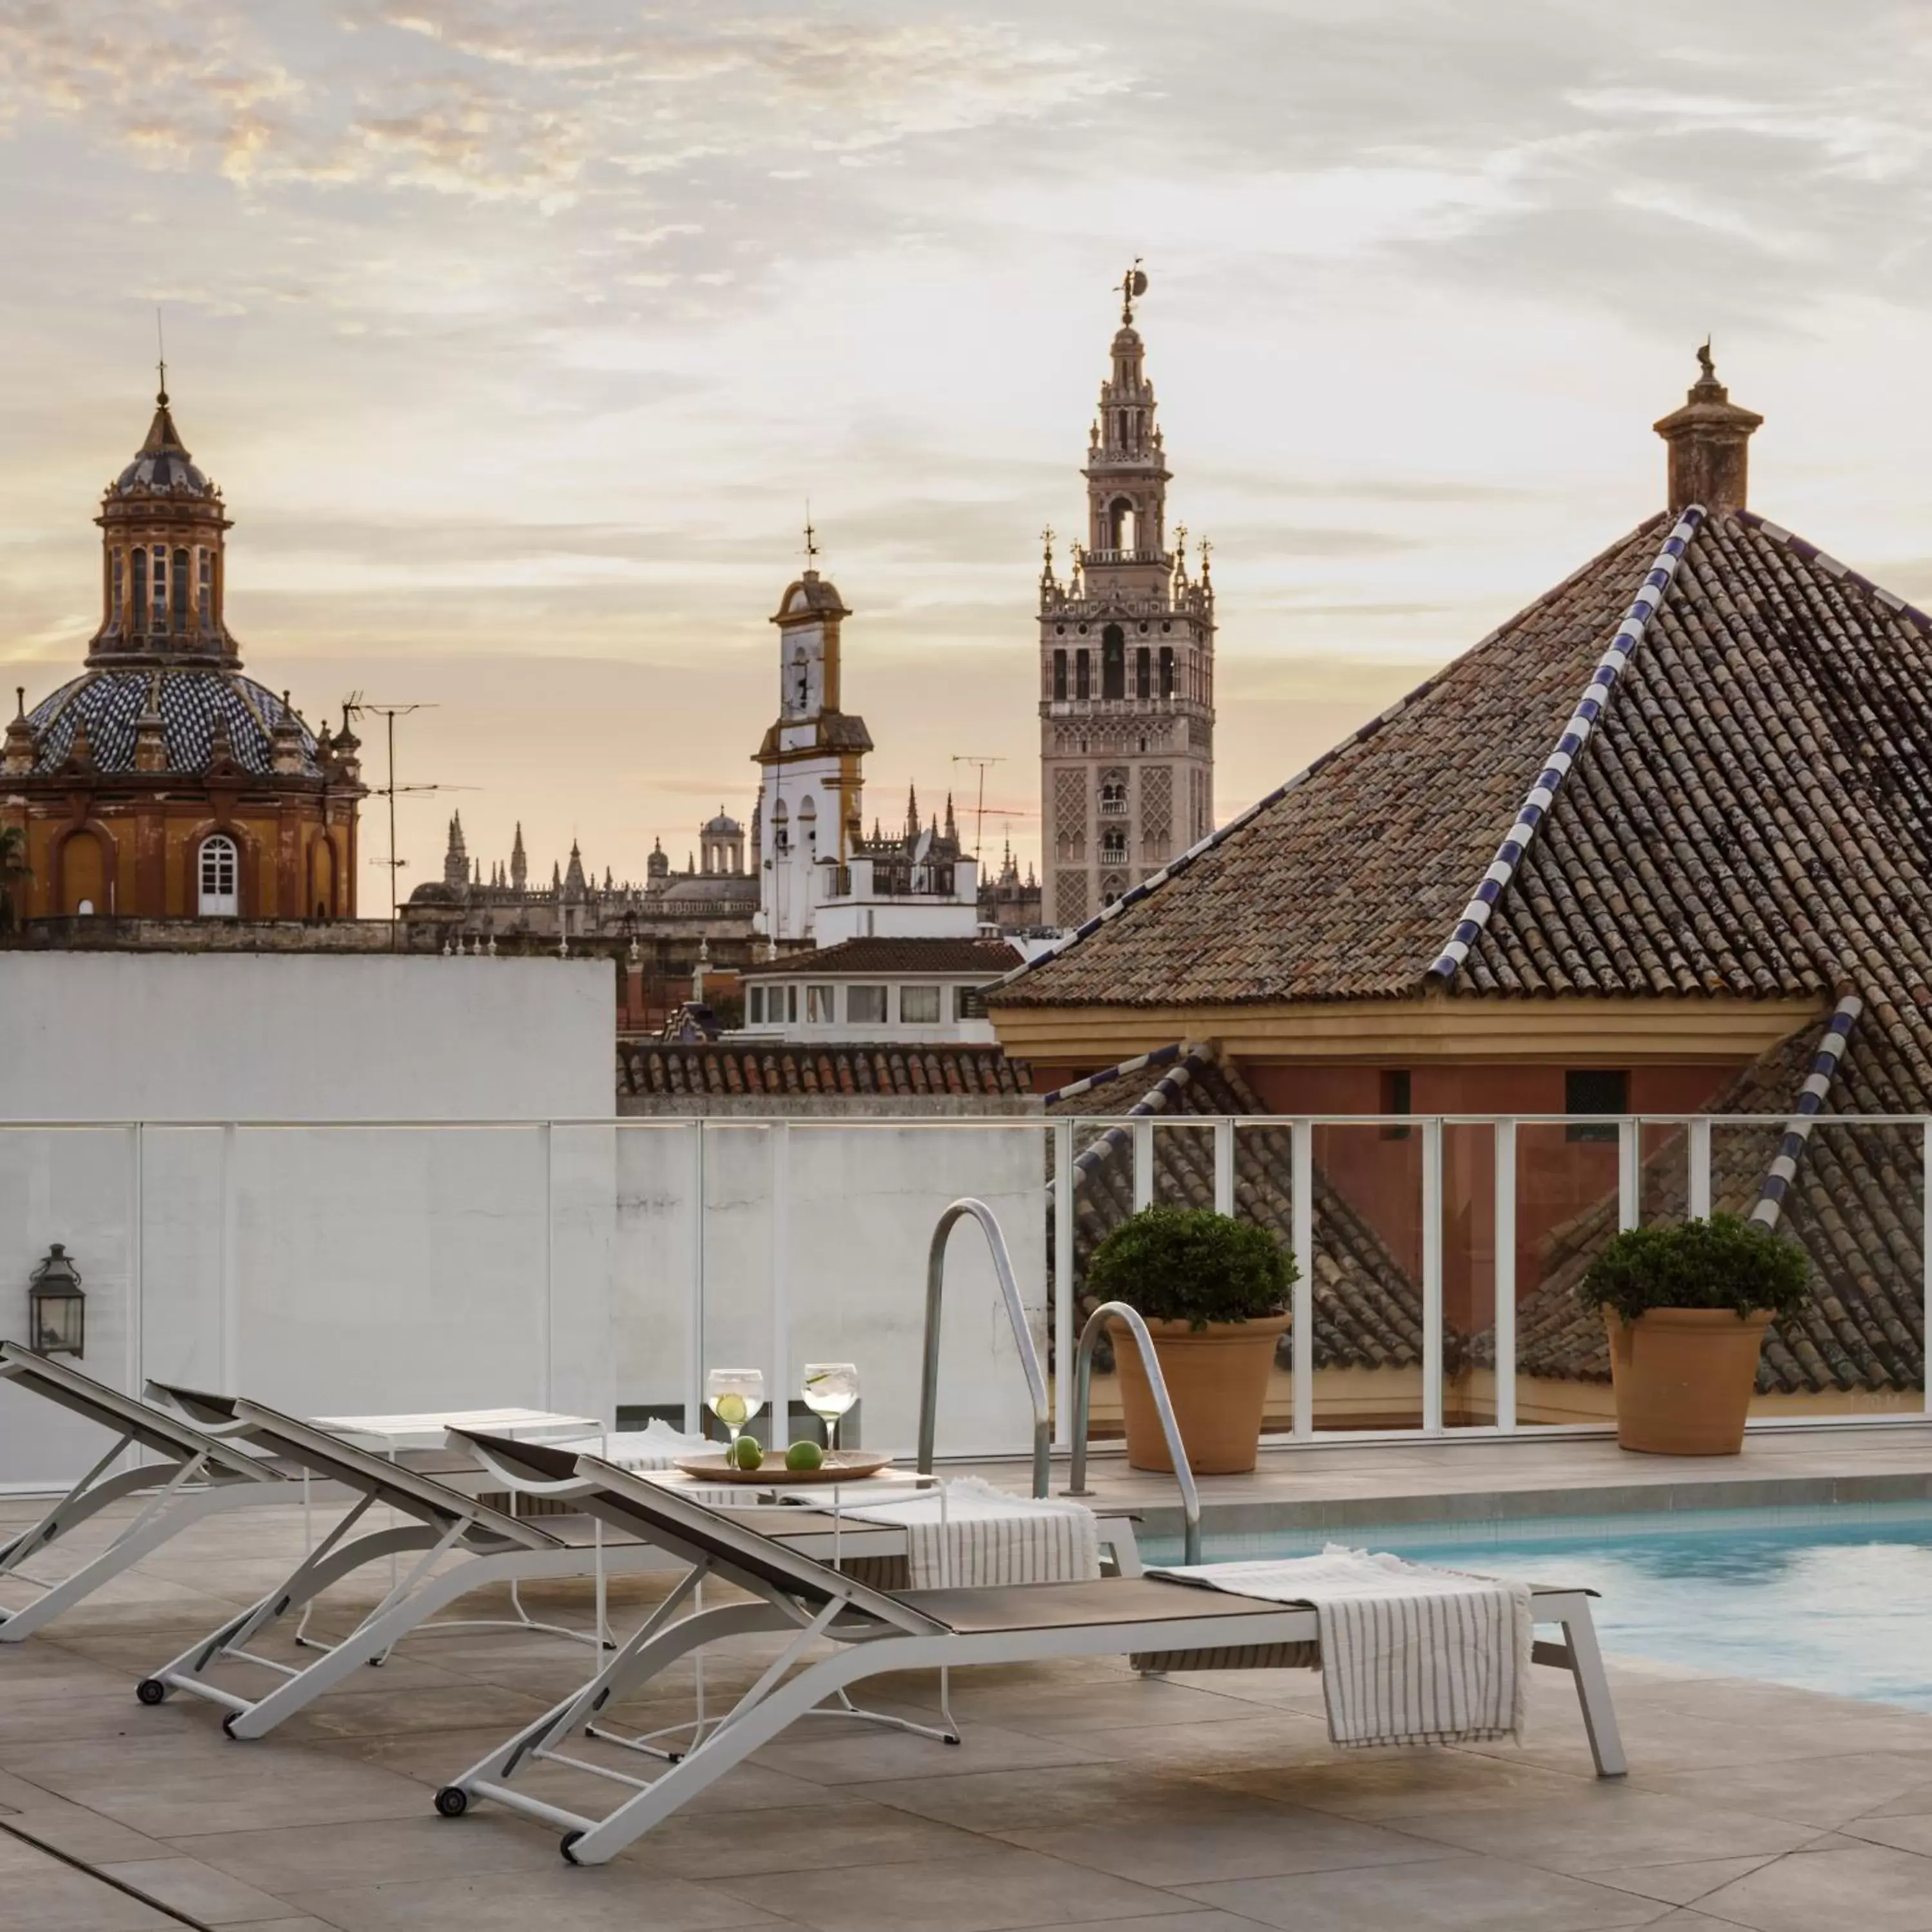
x=879, y=1633
x=442, y=1522
x=197, y=1476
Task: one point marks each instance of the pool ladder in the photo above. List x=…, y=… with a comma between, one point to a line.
x=967, y=1208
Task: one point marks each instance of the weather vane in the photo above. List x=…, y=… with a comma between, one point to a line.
x=1133, y=285
x=1705, y=363
x=810, y=537
x=161, y=359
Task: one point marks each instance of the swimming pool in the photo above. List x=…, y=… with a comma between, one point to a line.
x=1837, y=1599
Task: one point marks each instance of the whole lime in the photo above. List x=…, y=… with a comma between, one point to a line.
x=805, y=1455
x=746, y=1453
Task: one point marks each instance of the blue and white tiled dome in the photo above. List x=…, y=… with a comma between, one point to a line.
x=162, y=465
x=188, y=700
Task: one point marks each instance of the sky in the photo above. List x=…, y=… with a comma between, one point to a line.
x=519, y=332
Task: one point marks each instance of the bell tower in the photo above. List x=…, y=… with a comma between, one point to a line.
x=1126, y=670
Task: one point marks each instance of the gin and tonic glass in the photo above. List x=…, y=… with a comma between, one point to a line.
x=830, y=1389
x=734, y=1395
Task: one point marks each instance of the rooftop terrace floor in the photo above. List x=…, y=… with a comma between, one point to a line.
x=1083, y=1795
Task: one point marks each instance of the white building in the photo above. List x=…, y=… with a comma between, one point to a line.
x=878, y=991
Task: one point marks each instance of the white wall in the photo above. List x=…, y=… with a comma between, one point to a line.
x=319, y=1267
x=303, y=1037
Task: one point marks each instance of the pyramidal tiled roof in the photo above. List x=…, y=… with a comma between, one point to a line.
x=1749, y=813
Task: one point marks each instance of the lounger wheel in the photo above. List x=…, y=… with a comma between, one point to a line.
x=151, y=1691
x=452, y=1800
x=228, y=1723
x=569, y=1839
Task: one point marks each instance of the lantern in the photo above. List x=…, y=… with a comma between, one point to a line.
x=56, y=1308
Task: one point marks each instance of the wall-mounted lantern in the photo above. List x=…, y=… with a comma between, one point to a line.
x=56, y=1308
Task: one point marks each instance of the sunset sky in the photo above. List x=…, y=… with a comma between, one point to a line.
x=518, y=335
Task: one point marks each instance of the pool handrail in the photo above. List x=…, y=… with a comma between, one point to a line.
x=964, y=1208
x=1083, y=1391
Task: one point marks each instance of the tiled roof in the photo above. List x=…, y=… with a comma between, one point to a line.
x=189, y=702
x=1856, y=1204
x=718, y=1069
x=1752, y=814
x=1368, y=1311
x=986, y=957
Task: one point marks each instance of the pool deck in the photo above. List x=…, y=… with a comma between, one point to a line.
x=1082, y=1795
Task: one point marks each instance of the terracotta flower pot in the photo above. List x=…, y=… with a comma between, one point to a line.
x=1683, y=1379
x=1217, y=1380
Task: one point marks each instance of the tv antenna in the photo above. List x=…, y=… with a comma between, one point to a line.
x=980, y=809
x=356, y=706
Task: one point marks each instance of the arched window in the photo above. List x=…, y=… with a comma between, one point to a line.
x=781, y=828
x=1060, y=677
x=1113, y=662
x=221, y=868
x=83, y=868
x=1113, y=846
x=1143, y=673
x=181, y=589
x=808, y=825
x=140, y=586
x=118, y=569
x=1120, y=524
x=206, y=598
x=159, y=620
x=1167, y=670
x=1083, y=674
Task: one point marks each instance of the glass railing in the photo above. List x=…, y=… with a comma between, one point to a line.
x=600, y=1267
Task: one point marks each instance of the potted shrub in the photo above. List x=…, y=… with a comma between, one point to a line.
x=1213, y=1292
x=1687, y=1307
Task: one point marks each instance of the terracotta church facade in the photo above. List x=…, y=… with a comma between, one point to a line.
x=162, y=783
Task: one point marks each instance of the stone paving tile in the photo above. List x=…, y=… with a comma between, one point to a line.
x=1679, y=1884
x=1457, y=1894
x=1873, y=1889
x=1002, y=1801
x=187, y=1885
x=558, y=1898
x=1373, y=1785
x=836, y=1833
x=446, y=1706
x=994, y=1890
x=62, y=1900
x=843, y=1753
x=1813, y=1791
x=290, y=1859
x=1606, y=1825
x=82, y=1833
x=1911, y=1833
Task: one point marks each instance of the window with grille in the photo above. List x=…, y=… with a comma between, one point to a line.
x=1595, y=1090
x=221, y=875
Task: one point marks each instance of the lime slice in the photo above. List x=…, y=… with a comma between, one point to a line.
x=729, y=1410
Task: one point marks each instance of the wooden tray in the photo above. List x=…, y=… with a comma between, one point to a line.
x=841, y=1466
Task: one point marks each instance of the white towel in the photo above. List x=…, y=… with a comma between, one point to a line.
x=1410, y=1654
x=968, y=1534
x=655, y=1446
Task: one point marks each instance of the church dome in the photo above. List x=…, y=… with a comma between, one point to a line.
x=162, y=465
x=193, y=705
x=723, y=826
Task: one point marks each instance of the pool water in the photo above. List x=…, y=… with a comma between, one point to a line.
x=1836, y=1599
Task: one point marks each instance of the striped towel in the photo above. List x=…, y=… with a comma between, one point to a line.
x=656, y=1446
x=1409, y=1655
x=966, y=1534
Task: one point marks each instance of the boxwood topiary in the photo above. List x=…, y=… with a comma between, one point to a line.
x=1191, y=1265
x=1725, y=1262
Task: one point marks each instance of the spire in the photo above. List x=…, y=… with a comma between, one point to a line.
x=951, y=830
x=1708, y=440
x=520, y=866
x=455, y=857
x=912, y=812
x=573, y=884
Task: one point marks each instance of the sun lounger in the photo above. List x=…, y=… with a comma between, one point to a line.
x=439, y=1523
x=874, y=1631
x=195, y=1475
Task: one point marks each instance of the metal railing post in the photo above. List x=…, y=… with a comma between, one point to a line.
x=1302, y=1328
x=1433, y=1364
x=1063, y=1212
x=1170, y=1429
x=1629, y=1204
x=231, y=1314
x=1009, y=1293
x=1699, y=1151
x=1504, y=1274
x=694, y=1366
x=778, y=1378
x=1224, y=1165
x=1143, y=1164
